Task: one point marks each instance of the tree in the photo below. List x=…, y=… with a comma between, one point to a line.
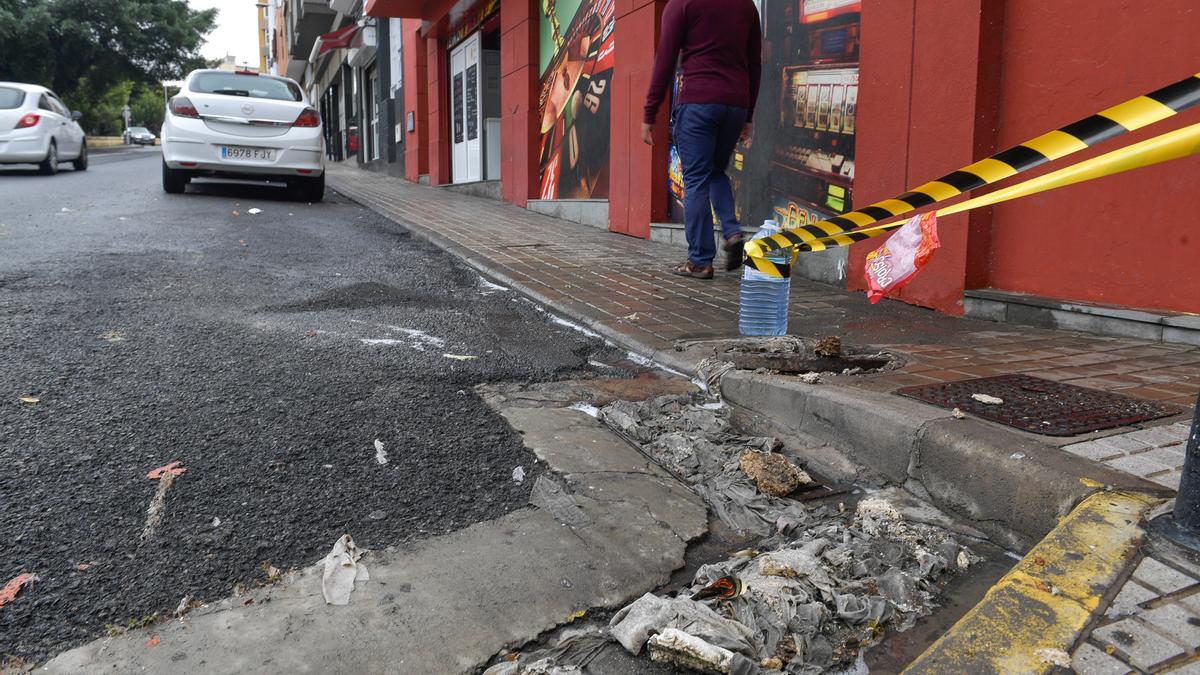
x=72, y=45
x=147, y=107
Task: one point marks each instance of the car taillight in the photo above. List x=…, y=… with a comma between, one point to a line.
x=308, y=118
x=28, y=120
x=182, y=107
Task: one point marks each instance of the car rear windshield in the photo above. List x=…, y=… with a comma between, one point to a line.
x=11, y=98
x=235, y=84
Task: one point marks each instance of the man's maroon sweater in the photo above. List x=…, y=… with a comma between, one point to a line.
x=721, y=45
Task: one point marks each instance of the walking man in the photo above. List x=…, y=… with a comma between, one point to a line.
x=718, y=44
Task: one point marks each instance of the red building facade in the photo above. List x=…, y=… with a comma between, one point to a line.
x=861, y=100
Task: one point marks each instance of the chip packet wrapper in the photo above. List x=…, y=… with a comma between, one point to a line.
x=898, y=260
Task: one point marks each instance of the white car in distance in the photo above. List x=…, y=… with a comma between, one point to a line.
x=240, y=124
x=37, y=128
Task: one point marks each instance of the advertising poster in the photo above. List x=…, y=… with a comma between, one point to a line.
x=798, y=165
x=574, y=103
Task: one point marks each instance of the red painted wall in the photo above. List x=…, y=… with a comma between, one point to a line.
x=1128, y=239
x=638, y=175
x=416, y=100
x=437, y=66
x=518, y=99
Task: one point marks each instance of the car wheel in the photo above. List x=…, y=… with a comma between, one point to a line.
x=174, y=181
x=81, y=162
x=310, y=189
x=49, y=166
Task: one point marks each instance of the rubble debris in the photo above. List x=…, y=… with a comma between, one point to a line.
x=1054, y=657
x=518, y=475
x=678, y=648
x=988, y=399
x=342, y=571
x=710, y=371
x=958, y=414
x=772, y=472
x=10, y=590
x=830, y=345
x=696, y=443
x=816, y=595
x=460, y=357
x=30, y=399
x=575, y=650
x=810, y=378
x=380, y=454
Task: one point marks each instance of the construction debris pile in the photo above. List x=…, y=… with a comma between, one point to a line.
x=694, y=441
x=823, y=583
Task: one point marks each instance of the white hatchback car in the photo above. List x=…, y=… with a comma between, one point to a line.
x=37, y=128
x=243, y=125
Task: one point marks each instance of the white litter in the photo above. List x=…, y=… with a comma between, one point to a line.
x=254, y=212
x=489, y=287
x=585, y=408
x=519, y=474
x=460, y=357
x=990, y=400
x=380, y=453
x=1017, y=455
x=342, y=571
x=958, y=414
x=65, y=210
x=216, y=522
x=122, y=218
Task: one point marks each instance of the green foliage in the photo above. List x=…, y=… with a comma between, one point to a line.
x=90, y=47
x=101, y=108
x=147, y=108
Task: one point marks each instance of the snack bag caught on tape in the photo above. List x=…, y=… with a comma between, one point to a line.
x=904, y=253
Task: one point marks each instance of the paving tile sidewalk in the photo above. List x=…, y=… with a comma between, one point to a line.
x=624, y=284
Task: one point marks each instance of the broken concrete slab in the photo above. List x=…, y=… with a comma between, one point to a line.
x=493, y=585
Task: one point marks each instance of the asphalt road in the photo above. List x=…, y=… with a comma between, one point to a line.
x=264, y=352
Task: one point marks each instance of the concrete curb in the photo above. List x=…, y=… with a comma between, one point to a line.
x=1010, y=486
x=1037, y=612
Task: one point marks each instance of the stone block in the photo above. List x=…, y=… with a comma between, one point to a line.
x=1171, y=456
x=1094, y=450
x=1123, y=443
x=1137, y=465
x=1160, y=577
x=1156, y=437
x=1176, y=621
x=1088, y=659
x=1144, y=647
x=1169, y=480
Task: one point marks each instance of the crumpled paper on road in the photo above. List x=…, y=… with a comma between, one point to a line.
x=342, y=571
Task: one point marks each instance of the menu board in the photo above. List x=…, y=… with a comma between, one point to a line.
x=458, y=108
x=472, y=102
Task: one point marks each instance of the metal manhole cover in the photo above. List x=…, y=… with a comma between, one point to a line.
x=1041, y=406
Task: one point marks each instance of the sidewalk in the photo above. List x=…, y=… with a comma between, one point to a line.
x=1141, y=618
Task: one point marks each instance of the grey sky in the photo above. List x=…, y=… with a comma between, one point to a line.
x=236, y=32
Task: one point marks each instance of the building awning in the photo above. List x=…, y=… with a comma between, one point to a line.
x=338, y=39
x=396, y=9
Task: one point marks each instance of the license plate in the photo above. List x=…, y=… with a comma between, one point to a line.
x=241, y=152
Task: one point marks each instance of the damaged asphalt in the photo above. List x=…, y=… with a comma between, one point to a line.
x=266, y=353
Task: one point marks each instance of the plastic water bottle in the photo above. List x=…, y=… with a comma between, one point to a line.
x=764, y=301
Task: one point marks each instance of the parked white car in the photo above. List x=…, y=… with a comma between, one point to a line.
x=37, y=128
x=243, y=125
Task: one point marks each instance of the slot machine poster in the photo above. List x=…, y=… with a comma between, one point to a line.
x=574, y=104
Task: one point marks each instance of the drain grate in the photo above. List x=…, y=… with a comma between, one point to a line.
x=1042, y=406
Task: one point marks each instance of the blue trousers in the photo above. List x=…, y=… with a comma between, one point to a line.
x=705, y=134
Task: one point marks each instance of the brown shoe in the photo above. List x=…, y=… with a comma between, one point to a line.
x=689, y=269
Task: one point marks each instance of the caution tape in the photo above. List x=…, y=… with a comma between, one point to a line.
x=1087, y=132
x=1173, y=145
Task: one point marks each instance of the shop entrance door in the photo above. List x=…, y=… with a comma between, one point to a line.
x=466, y=156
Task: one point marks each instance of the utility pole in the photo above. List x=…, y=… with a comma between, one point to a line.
x=1182, y=525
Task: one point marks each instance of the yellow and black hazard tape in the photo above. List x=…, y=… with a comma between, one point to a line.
x=1163, y=148
x=1104, y=125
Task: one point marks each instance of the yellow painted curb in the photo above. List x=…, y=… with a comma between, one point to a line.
x=1047, y=599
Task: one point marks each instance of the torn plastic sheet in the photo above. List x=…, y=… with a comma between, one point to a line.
x=695, y=442
x=342, y=571
x=814, y=597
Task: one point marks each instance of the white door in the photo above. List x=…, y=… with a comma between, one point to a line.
x=466, y=114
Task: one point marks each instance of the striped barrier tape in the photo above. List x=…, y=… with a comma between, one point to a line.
x=1173, y=145
x=1087, y=132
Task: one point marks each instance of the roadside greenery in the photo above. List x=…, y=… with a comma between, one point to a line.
x=99, y=55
